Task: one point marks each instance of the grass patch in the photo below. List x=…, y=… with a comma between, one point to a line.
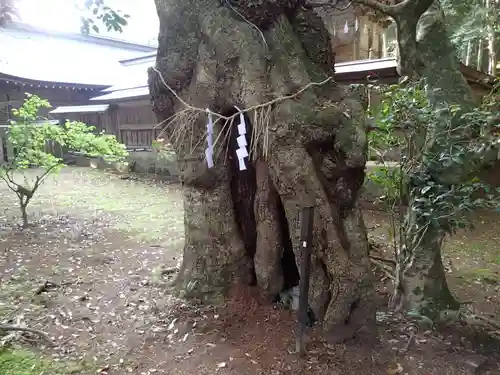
x=137, y=204
x=480, y=274
x=134, y=205
x=460, y=246
x=21, y=362
x=484, y=250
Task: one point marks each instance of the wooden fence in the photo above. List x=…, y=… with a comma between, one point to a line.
x=138, y=137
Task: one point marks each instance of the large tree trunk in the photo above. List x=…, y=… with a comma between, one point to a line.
x=242, y=225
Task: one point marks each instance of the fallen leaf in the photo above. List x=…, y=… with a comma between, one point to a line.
x=104, y=370
x=171, y=325
x=397, y=370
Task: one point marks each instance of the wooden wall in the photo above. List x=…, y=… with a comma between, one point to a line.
x=135, y=124
x=132, y=122
x=101, y=121
x=354, y=37
x=12, y=96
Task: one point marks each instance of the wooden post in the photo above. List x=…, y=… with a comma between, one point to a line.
x=3, y=151
x=306, y=234
x=118, y=125
x=356, y=45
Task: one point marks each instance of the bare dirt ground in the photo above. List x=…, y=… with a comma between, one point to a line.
x=90, y=273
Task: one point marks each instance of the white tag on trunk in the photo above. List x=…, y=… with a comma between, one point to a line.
x=242, y=153
x=242, y=141
x=209, y=150
x=242, y=120
x=242, y=165
x=209, y=157
x=242, y=129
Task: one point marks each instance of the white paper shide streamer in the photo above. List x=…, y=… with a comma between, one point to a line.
x=209, y=152
x=242, y=152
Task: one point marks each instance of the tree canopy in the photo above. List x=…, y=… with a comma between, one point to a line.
x=94, y=14
x=474, y=25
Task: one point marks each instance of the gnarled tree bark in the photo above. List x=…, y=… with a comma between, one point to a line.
x=220, y=54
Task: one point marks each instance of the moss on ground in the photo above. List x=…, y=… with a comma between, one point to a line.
x=22, y=362
x=481, y=274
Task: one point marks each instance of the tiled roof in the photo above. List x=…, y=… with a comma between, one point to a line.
x=80, y=109
x=133, y=83
x=132, y=93
x=365, y=71
x=38, y=122
x=146, y=57
x=33, y=54
x=134, y=73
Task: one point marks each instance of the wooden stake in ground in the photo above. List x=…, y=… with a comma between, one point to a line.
x=306, y=221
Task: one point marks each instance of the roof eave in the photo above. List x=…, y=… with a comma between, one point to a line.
x=388, y=73
x=9, y=78
x=118, y=100
x=131, y=61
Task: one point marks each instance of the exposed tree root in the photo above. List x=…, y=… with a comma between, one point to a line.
x=13, y=328
x=470, y=318
x=382, y=259
x=408, y=344
x=169, y=270
x=46, y=287
x=387, y=270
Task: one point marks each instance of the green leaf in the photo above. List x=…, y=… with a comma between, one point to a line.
x=425, y=189
x=122, y=21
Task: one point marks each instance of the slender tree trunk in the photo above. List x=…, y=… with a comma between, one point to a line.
x=241, y=226
x=25, y=216
x=468, y=53
x=421, y=284
x=425, y=51
x=384, y=44
x=480, y=51
x=491, y=38
x=23, y=204
x=421, y=281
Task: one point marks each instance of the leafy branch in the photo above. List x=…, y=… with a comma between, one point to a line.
x=97, y=10
x=29, y=138
x=433, y=156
